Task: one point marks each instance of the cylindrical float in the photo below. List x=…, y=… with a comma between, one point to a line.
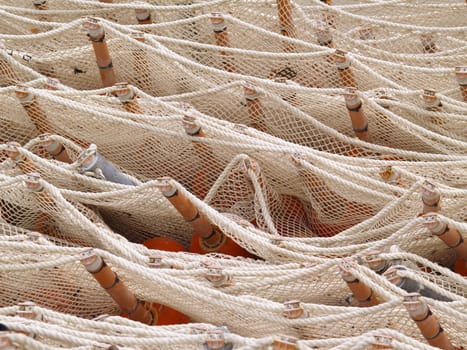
x=430, y=197
x=127, y=97
x=23, y=163
x=52, y=83
x=43, y=221
x=219, y=26
x=293, y=310
x=143, y=16
x=282, y=342
x=284, y=11
x=33, y=109
x=91, y=161
x=255, y=108
x=137, y=310
x=104, y=62
x=56, y=149
x=206, y=237
x=345, y=72
x=360, y=290
x=374, y=261
x=410, y=285
x=451, y=237
x=431, y=100
x=357, y=116
x=426, y=322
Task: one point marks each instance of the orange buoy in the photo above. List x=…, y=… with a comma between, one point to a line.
x=208, y=161
x=132, y=307
x=222, y=244
x=163, y=243
x=451, y=237
x=206, y=237
x=343, y=65
x=219, y=27
x=460, y=266
x=363, y=293
x=427, y=322
x=357, y=116
x=168, y=316
x=104, y=62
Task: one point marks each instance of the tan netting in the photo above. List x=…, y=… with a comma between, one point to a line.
x=322, y=142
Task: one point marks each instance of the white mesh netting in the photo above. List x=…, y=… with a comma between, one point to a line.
x=308, y=157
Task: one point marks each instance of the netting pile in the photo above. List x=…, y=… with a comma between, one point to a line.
x=322, y=143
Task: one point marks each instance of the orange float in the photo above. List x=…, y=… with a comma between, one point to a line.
x=255, y=108
x=208, y=163
x=56, y=149
x=104, y=62
x=221, y=244
x=163, y=243
x=345, y=72
x=206, y=237
x=361, y=291
x=427, y=322
x=127, y=97
x=357, y=116
x=33, y=109
x=460, y=266
x=167, y=315
x=284, y=10
x=451, y=237
x=143, y=16
x=133, y=308
x=219, y=28
x=23, y=163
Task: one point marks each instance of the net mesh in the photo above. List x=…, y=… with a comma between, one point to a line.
x=313, y=134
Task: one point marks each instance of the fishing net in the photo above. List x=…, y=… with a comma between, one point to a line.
x=184, y=289
x=325, y=142
x=58, y=329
